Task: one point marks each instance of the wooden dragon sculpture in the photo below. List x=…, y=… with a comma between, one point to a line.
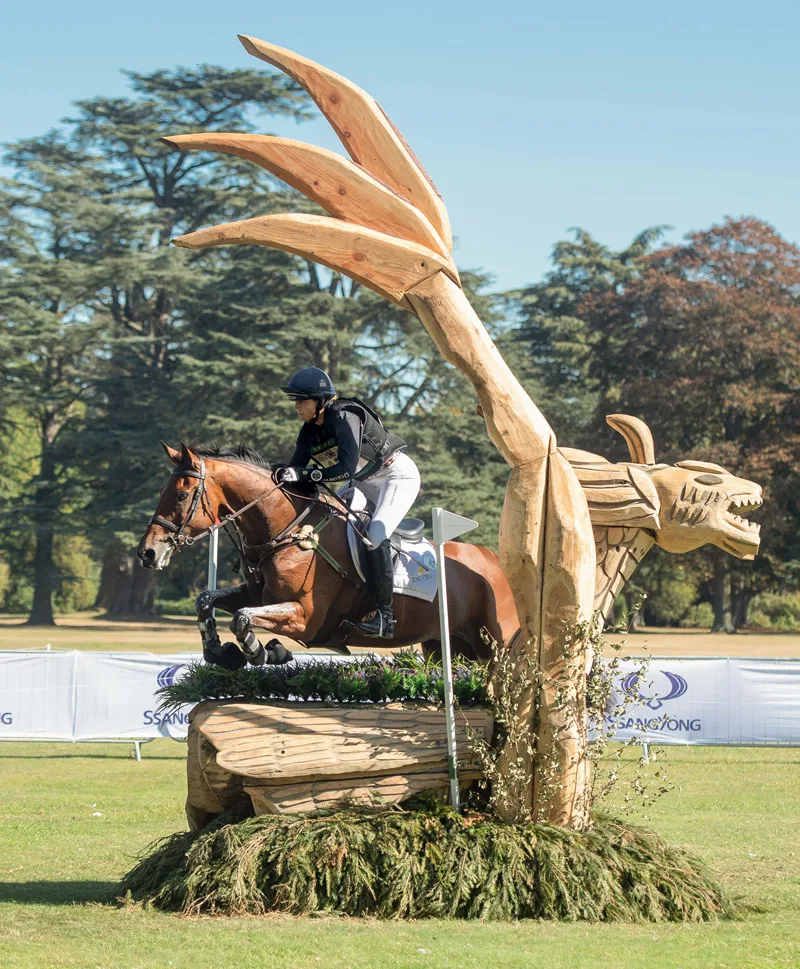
x=388, y=229
x=638, y=504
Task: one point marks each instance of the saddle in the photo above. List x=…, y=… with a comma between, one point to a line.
x=409, y=531
x=361, y=511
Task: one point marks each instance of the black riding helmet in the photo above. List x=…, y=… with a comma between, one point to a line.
x=311, y=383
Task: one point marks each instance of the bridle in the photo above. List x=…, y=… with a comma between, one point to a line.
x=177, y=537
x=287, y=536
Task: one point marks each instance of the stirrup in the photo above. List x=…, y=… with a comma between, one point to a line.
x=379, y=626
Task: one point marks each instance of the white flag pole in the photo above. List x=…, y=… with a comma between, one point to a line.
x=446, y=526
x=213, y=552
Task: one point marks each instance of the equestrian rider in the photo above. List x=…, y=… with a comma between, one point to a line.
x=343, y=440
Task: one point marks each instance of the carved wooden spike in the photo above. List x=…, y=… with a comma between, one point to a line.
x=362, y=127
x=389, y=266
x=637, y=435
x=341, y=187
x=515, y=425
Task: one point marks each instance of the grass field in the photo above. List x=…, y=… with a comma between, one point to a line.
x=72, y=819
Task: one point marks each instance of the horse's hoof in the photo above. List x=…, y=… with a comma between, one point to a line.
x=277, y=653
x=229, y=656
x=203, y=604
x=240, y=625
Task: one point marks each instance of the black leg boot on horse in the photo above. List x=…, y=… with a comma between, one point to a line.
x=380, y=580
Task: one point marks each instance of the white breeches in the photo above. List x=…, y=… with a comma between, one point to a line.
x=393, y=490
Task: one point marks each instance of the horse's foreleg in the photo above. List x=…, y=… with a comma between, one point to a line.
x=229, y=600
x=286, y=618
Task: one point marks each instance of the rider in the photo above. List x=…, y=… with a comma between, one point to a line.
x=344, y=440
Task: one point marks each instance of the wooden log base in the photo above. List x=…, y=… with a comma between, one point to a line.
x=371, y=791
x=313, y=741
x=295, y=757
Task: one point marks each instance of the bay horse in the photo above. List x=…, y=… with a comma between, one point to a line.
x=299, y=577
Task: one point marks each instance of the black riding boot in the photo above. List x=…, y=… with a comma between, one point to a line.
x=381, y=584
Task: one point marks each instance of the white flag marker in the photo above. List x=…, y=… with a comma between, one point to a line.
x=447, y=526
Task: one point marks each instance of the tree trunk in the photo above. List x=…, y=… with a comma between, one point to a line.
x=44, y=504
x=723, y=612
x=741, y=602
x=125, y=588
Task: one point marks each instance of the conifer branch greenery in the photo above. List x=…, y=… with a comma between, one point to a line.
x=430, y=863
x=406, y=676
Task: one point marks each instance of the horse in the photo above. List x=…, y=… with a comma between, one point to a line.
x=299, y=578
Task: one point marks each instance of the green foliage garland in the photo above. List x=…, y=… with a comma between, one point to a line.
x=403, y=677
x=430, y=863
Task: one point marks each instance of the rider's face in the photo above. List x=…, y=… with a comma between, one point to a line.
x=306, y=409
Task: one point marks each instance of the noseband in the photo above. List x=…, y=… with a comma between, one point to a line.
x=178, y=538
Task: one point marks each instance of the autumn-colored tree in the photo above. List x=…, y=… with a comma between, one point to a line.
x=704, y=344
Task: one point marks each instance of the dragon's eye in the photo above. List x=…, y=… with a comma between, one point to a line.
x=708, y=479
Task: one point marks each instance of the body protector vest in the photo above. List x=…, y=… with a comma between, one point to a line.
x=376, y=443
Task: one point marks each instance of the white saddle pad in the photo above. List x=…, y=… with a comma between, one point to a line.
x=414, y=567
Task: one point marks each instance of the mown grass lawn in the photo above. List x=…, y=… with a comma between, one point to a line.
x=738, y=809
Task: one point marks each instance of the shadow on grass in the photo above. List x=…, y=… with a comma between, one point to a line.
x=57, y=893
x=81, y=756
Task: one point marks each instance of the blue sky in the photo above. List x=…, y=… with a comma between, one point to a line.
x=530, y=117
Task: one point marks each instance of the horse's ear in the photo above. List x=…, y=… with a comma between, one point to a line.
x=172, y=454
x=188, y=458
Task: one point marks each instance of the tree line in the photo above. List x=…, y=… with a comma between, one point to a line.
x=110, y=340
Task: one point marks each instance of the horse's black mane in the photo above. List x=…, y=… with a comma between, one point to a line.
x=231, y=452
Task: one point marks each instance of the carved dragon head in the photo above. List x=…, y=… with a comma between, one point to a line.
x=686, y=505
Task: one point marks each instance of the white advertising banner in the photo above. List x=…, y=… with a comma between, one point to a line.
x=713, y=701
x=81, y=695
x=37, y=695
x=116, y=696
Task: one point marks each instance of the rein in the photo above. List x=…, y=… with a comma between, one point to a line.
x=179, y=539
x=286, y=537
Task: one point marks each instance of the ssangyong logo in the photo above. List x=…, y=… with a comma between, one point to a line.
x=169, y=674
x=675, y=686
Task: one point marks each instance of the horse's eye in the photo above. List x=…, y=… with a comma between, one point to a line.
x=183, y=495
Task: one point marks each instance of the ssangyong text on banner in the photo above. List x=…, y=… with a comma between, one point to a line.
x=711, y=701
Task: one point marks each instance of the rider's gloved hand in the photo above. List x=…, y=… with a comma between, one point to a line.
x=291, y=475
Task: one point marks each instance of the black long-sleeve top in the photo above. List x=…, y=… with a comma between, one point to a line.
x=332, y=446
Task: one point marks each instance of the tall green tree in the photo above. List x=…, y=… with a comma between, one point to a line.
x=54, y=217
x=704, y=344
x=150, y=293
x=556, y=342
